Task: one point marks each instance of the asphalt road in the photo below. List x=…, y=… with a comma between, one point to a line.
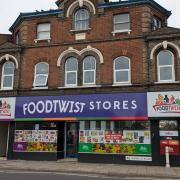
x=17, y=175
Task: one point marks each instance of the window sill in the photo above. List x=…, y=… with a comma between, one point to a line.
x=35, y=88
x=79, y=87
x=122, y=84
x=6, y=89
x=41, y=40
x=167, y=82
x=128, y=31
x=80, y=31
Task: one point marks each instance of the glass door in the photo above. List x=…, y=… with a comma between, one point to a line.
x=72, y=139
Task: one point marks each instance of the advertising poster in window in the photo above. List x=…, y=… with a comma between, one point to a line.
x=164, y=104
x=115, y=142
x=7, y=108
x=35, y=141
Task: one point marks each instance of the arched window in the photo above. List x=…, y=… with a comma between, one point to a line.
x=165, y=66
x=122, y=73
x=81, y=20
x=89, y=70
x=71, y=69
x=41, y=74
x=7, y=75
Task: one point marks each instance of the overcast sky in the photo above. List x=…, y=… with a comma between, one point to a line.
x=9, y=10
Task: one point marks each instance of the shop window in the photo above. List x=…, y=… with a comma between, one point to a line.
x=87, y=125
x=165, y=66
x=43, y=31
x=89, y=70
x=121, y=22
x=7, y=75
x=81, y=19
x=98, y=125
x=71, y=70
x=122, y=71
x=41, y=75
x=35, y=137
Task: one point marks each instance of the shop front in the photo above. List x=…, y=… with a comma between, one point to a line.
x=164, y=115
x=111, y=128
x=7, y=108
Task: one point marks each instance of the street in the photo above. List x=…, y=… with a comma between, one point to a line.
x=25, y=175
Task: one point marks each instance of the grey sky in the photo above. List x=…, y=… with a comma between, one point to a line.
x=11, y=9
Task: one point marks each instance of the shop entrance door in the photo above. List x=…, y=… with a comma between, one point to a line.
x=3, y=138
x=72, y=139
x=165, y=133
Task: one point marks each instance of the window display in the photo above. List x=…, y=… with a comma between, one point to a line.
x=118, y=140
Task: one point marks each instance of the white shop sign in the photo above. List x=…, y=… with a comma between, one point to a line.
x=138, y=158
x=164, y=104
x=168, y=133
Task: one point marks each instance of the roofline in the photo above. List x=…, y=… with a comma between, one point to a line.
x=34, y=14
x=135, y=2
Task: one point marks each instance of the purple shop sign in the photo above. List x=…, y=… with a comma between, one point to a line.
x=126, y=105
x=20, y=146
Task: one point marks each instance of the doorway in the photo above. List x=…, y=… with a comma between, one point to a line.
x=4, y=126
x=72, y=129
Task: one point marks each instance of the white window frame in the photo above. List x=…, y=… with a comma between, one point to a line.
x=94, y=70
x=44, y=75
x=121, y=22
x=67, y=72
x=121, y=70
x=163, y=66
x=42, y=31
x=81, y=20
x=10, y=75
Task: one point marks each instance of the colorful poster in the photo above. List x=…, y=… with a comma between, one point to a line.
x=7, y=108
x=173, y=147
x=116, y=142
x=115, y=105
x=35, y=140
x=164, y=104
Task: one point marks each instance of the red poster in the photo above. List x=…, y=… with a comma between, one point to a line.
x=173, y=147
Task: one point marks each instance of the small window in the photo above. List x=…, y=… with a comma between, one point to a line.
x=81, y=20
x=7, y=75
x=122, y=70
x=165, y=64
x=156, y=23
x=17, y=38
x=71, y=69
x=121, y=22
x=89, y=70
x=41, y=75
x=43, y=31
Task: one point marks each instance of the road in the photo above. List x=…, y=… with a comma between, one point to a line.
x=17, y=175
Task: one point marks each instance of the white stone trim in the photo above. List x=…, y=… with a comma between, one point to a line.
x=87, y=49
x=164, y=44
x=80, y=3
x=7, y=57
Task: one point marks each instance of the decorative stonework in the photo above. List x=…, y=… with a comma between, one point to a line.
x=80, y=53
x=9, y=57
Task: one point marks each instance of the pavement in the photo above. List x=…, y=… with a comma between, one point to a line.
x=73, y=166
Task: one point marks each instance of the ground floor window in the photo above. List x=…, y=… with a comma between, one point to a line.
x=117, y=137
x=35, y=137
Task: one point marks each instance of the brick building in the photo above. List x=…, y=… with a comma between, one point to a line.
x=79, y=81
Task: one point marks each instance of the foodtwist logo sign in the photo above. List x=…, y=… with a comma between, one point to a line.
x=7, y=108
x=164, y=104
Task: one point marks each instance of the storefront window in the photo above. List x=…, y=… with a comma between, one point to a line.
x=35, y=137
x=118, y=137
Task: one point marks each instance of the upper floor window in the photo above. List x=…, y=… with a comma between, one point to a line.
x=81, y=20
x=156, y=23
x=7, y=75
x=41, y=74
x=89, y=70
x=165, y=66
x=17, y=37
x=122, y=70
x=43, y=31
x=121, y=22
x=71, y=70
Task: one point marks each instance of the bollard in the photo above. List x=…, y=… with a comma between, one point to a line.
x=167, y=156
